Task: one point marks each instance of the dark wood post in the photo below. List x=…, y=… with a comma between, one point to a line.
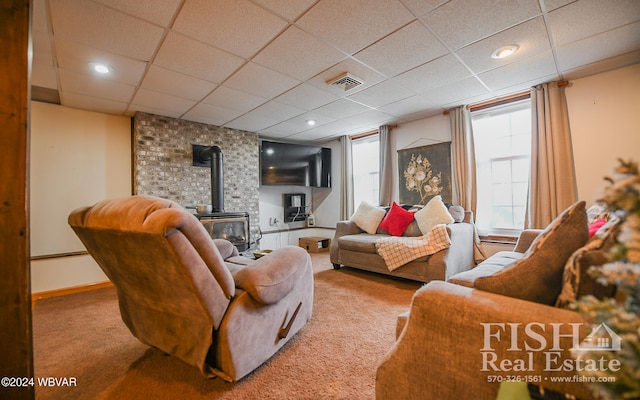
x=16, y=345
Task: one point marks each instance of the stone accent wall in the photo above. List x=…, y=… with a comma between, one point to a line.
x=163, y=159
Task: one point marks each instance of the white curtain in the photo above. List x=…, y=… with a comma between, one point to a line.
x=552, y=184
x=464, y=167
x=386, y=174
x=346, y=187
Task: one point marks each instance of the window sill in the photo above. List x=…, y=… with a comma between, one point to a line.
x=498, y=239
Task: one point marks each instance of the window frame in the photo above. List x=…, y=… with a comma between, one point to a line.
x=361, y=139
x=492, y=234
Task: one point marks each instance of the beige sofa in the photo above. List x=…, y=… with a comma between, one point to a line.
x=457, y=333
x=353, y=247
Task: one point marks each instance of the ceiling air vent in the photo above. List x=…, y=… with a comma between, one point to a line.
x=346, y=81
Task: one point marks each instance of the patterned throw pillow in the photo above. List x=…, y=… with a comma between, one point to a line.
x=576, y=281
x=396, y=220
x=434, y=213
x=367, y=217
x=537, y=276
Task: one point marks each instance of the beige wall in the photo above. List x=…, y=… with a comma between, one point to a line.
x=604, y=114
x=76, y=158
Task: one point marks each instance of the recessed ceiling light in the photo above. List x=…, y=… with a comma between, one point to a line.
x=311, y=122
x=505, y=51
x=101, y=68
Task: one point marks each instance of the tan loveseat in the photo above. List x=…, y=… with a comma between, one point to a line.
x=353, y=247
x=461, y=338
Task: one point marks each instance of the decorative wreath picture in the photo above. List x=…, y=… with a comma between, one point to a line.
x=425, y=172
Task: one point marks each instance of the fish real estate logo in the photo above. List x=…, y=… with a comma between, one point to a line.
x=535, y=342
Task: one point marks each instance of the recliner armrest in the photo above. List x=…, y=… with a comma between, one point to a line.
x=226, y=248
x=273, y=276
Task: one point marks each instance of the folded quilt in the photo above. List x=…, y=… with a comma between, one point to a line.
x=399, y=250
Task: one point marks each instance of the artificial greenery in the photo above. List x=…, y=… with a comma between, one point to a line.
x=622, y=196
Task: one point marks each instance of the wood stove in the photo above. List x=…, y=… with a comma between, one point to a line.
x=232, y=226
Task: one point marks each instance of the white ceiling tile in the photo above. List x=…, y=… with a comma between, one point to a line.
x=287, y=9
x=233, y=99
x=603, y=65
x=297, y=54
x=42, y=53
x=298, y=124
x=384, y=33
x=181, y=54
x=306, y=96
x=531, y=36
x=95, y=87
x=158, y=111
x=461, y=22
x=345, y=24
x=342, y=108
x=161, y=101
x=101, y=27
x=423, y=114
x=93, y=103
x=457, y=91
x=373, y=118
x=409, y=47
x=354, y=67
x=436, y=73
x=277, y=111
x=44, y=76
x=160, y=12
x=211, y=114
x=421, y=7
x=251, y=123
x=260, y=81
x=39, y=22
x=589, y=17
x=77, y=57
x=237, y=26
x=409, y=105
x=525, y=70
x=524, y=86
x=169, y=82
x=383, y=93
x=551, y=5
x=605, y=45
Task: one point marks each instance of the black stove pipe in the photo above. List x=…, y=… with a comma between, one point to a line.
x=214, y=153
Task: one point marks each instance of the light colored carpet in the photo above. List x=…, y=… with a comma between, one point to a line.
x=334, y=356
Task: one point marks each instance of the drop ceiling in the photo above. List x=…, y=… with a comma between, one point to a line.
x=263, y=65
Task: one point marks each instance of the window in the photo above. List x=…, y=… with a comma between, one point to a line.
x=366, y=166
x=502, y=140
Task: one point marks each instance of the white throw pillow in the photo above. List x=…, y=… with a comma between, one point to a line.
x=434, y=213
x=367, y=217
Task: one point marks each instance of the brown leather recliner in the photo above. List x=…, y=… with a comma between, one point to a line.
x=193, y=297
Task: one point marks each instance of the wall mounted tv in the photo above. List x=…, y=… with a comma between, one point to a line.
x=290, y=164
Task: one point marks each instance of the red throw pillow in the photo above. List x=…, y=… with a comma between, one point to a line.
x=397, y=220
x=596, y=225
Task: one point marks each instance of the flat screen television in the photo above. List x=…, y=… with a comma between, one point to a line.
x=290, y=164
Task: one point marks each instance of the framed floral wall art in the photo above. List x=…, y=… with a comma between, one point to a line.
x=425, y=172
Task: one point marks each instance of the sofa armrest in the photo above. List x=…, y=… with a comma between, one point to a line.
x=347, y=228
x=456, y=337
x=272, y=277
x=525, y=239
x=343, y=228
x=459, y=256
